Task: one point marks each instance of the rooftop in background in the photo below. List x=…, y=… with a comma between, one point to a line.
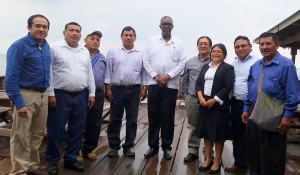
x=289, y=33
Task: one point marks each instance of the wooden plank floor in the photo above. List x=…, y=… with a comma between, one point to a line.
x=123, y=165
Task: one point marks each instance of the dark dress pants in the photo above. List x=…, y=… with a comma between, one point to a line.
x=266, y=151
x=239, y=133
x=127, y=98
x=70, y=108
x=93, y=124
x=161, y=113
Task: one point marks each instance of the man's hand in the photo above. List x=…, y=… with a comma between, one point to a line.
x=52, y=101
x=244, y=117
x=143, y=94
x=163, y=80
x=108, y=92
x=22, y=112
x=284, y=125
x=91, y=102
x=202, y=101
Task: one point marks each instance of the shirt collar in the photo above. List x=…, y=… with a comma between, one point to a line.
x=33, y=41
x=65, y=44
x=275, y=60
x=134, y=49
x=248, y=57
x=171, y=41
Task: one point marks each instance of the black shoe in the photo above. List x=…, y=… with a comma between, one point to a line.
x=235, y=169
x=74, y=166
x=151, y=152
x=112, y=152
x=204, y=168
x=190, y=157
x=129, y=151
x=53, y=169
x=37, y=172
x=215, y=171
x=167, y=155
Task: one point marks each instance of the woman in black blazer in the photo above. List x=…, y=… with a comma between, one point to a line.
x=213, y=86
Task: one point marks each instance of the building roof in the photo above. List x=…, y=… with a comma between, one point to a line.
x=288, y=31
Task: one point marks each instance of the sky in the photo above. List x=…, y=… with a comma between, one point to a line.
x=221, y=20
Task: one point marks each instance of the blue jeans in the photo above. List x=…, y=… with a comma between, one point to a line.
x=70, y=108
x=161, y=114
x=127, y=98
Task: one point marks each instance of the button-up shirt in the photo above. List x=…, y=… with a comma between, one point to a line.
x=241, y=71
x=163, y=58
x=71, y=69
x=99, y=66
x=191, y=72
x=28, y=65
x=279, y=81
x=125, y=67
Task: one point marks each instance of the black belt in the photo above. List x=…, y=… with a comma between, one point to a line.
x=127, y=86
x=69, y=92
x=35, y=89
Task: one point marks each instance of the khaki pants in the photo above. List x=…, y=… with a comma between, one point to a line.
x=28, y=133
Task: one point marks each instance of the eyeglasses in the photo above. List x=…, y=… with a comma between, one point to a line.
x=243, y=46
x=203, y=44
x=216, y=51
x=167, y=24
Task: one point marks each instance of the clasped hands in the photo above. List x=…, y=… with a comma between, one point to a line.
x=162, y=81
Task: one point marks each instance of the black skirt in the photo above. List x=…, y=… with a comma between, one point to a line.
x=214, y=124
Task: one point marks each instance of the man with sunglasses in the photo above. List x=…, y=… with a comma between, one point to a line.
x=241, y=64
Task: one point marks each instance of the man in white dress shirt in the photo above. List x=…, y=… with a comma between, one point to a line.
x=164, y=60
x=72, y=88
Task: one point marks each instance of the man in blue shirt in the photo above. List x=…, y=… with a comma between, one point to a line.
x=94, y=114
x=266, y=150
x=26, y=81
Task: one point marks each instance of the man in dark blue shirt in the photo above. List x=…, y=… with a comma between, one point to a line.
x=26, y=82
x=266, y=150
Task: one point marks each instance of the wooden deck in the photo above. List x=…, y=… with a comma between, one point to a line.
x=123, y=165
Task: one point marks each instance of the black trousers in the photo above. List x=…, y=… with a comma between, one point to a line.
x=161, y=114
x=239, y=133
x=266, y=151
x=93, y=124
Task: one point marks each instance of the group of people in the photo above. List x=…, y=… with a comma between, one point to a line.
x=63, y=87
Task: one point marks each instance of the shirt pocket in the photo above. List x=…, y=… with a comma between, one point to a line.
x=273, y=85
x=136, y=64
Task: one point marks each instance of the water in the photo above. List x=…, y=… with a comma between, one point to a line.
x=2, y=64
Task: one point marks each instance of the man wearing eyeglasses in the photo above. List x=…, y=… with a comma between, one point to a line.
x=245, y=58
x=164, y=61
x=190, y=75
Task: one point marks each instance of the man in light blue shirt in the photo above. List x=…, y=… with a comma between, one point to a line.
x=242, y=63
x=125, y=82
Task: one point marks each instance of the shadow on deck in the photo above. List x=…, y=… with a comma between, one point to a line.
x=123, y=165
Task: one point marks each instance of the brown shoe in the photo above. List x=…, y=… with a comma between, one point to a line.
x=234, y=169
x=79, y=159
x=37, y=172
x=91, y=156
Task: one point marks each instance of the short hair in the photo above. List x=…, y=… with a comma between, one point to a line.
x=208, y=38
x=222, y=47
x=242, y=38
x=274, y=36
x=31, y=18
x=165, y=17
x=128, y=28
x=72, y=23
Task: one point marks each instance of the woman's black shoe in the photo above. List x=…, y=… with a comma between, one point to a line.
x=215, y=171
x=202, y=168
